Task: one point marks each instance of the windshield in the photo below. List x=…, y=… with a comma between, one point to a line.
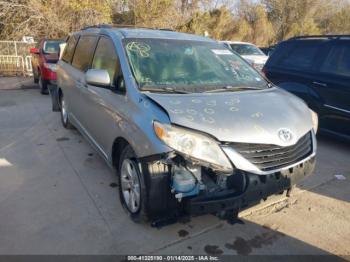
x=194, y=66
x=246, y=49
x=51, y=47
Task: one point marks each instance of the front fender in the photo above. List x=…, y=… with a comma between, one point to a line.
x=136, y=127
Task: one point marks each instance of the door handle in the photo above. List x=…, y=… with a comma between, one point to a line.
x=319, y=83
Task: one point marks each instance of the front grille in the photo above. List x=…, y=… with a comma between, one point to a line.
x=269, y=157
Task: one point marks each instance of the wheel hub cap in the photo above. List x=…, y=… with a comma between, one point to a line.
x=130, y=185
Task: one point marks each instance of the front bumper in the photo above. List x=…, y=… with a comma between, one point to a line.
x=257, y=187
x=242, y=162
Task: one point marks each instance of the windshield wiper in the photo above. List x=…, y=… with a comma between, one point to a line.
x=229, y=88
x=163, y=90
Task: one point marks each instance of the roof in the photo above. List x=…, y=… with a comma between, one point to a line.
x=131, y=32
x=154, y=33
x=319, y=37
x=236, y=42
x=51, y=39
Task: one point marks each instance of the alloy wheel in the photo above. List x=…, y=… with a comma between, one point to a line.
x=130, y=185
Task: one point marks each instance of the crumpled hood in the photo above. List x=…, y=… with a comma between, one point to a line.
x=253, y=116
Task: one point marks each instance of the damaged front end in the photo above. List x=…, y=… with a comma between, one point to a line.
x=197, y=187
x=197, y=190
x=243, y=189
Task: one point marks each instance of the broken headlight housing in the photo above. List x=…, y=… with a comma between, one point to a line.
x=194, y=145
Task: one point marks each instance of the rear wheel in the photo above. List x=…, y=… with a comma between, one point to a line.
x=43, y=86
x=64, y=113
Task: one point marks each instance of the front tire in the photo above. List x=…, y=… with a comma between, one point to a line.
x=132, y=189
x=64, y=113
x=152, y=195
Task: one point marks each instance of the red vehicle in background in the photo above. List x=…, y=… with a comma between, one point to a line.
x=44, y=58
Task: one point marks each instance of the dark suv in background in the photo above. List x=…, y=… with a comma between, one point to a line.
x=317, y=69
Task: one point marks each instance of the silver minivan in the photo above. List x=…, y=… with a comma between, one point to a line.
x=189, y=127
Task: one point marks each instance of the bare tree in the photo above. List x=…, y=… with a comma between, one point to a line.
x=50, y=18
x=262, y=22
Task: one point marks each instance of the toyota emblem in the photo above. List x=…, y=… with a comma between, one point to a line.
x=285, y=135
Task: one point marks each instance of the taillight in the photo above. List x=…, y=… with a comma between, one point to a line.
x=50, y=66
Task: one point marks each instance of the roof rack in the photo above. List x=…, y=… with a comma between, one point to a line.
x=165, y=29
x=320, y=36
x=124, y=26
x=97, y=26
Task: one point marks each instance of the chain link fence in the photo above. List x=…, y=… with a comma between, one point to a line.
x=15, y=58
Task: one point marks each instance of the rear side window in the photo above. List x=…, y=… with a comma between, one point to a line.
x=337, y=61
x=106, y=58
x=69, y=49
x=84, y=52
x=300, y=57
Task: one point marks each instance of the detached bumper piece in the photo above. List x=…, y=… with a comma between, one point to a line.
x=257, y=187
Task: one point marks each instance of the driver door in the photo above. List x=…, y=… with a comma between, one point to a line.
x=105, y=103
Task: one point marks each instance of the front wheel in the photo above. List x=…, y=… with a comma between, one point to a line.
x=144, y=188
x=132, y=189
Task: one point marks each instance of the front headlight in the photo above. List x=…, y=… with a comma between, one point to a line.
x=194, y=145
x=314, y=118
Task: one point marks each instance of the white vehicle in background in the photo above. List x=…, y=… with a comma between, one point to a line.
x=251, y=53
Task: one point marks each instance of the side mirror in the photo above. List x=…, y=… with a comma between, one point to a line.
x=34, y=50
x=98, y=77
